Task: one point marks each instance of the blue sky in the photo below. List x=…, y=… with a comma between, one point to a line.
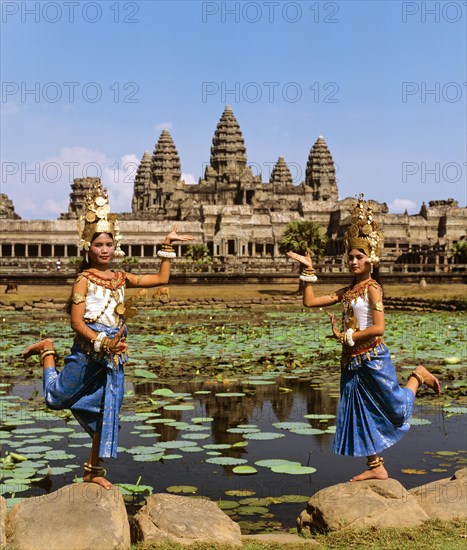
x=87, y=87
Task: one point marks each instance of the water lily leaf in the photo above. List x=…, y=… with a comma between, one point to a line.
x=226, y=460
x=179, y=407
x=456, y=410
x=271, y=462
x=307, y=431
x=151, y=457
x=242, y=430
x=294, y=498
x=228, y=504
x=240, y=444
x=244, y=470
x=413, y=471
x=163, y=391
x=193, y=449
x=230, y=394
x=144, y=373
x=176, y=444
x=216, y=446
x=201, y=419
x=291, y=425
x=239, y=493
x=293, y=469
x=133, y=489
x=251, y=510
x=319, y=416
x=196, y=436
x=172, y=456
x=263, y=436
x=182, y=489
x=419, y=421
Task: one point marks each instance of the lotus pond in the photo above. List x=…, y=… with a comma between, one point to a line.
x=233, y=405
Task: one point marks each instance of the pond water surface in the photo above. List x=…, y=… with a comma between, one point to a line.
x=209, y=391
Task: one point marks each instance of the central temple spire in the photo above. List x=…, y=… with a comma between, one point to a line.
x=228, y=152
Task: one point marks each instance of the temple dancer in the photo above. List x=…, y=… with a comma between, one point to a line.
x=91, y=383
x=374, y=411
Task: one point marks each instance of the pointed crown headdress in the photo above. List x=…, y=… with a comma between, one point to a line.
x=363, y=232
x=97, y=219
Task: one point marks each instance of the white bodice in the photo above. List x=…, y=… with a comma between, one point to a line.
x=100, y=304
x=362, y=312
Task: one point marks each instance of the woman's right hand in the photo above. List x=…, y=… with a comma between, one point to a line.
x=305, y=260
x=117, y=344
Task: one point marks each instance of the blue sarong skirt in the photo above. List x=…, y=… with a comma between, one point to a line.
x=90, y=385
x=374, y=411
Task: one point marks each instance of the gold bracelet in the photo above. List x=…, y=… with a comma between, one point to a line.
x=45, y=353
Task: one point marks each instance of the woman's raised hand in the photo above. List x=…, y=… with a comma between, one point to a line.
x=305, y=260
x=37, y=347
x=335, y=331
x=174, y=236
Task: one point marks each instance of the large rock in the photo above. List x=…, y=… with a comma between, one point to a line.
x=446, y=498
x=184, y=520
x=81, y=516
x=2, y=522
x=362, y=504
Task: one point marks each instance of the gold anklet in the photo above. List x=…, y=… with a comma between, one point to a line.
x=372, y=464
x=418, y=376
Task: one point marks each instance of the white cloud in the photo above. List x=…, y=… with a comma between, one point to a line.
x=189, y=179
x=163, y=126
x=31, y=185
x=399, y=206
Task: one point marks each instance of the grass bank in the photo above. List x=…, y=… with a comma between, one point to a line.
x=432, y=535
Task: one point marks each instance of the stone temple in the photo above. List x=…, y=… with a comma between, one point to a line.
x=239, y=217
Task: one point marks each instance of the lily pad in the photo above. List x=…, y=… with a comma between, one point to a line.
x=244, y=470
x=293, y=469
x=226, y=460
x=182, y=489
x=263, y=436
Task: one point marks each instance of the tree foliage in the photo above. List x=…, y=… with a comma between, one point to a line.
x=300, y=235
x=459, y=251
x=198, y=253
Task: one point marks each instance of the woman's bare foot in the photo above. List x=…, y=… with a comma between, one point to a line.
x=95, y=474
x=376, y=473
x=37, y=347
x=89, y=477
x=431, y=381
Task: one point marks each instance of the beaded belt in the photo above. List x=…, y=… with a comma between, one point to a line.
x=365, y=348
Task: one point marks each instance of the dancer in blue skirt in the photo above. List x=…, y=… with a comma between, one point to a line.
x=91, y=383
x=374, y=411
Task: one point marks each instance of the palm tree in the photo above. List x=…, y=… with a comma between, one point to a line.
x=300, y=236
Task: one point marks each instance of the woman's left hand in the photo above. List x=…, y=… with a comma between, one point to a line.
x=335, y=331
x=174, y=236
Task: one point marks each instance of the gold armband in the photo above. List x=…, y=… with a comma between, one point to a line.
x=78, y=298
x=378, y=306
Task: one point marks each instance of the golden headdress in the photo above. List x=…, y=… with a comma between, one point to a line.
x=363, y=232
x=97, y=219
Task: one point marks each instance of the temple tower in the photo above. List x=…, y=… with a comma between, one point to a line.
x=280, y=174
x=229, y=179
x=7, y=208
x=166, y=167
x=142, y=183
x=79, y=190
x=321, y=173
